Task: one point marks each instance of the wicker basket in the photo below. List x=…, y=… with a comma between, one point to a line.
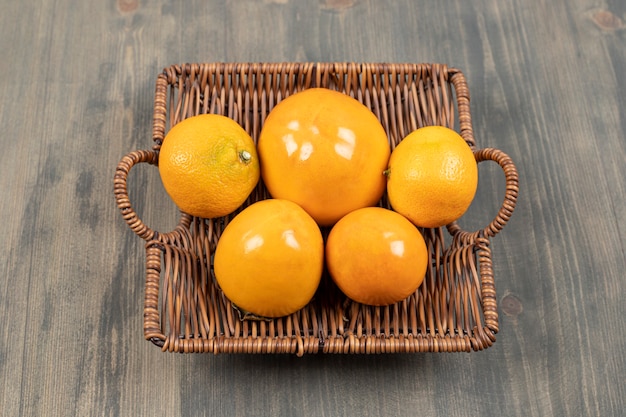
x=185, y=311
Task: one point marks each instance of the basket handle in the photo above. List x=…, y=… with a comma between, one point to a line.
x=123, y=201
x=510, y=196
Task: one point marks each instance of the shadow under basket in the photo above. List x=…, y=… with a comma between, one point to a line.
x=454, y=310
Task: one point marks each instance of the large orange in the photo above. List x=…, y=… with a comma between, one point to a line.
x=325, y=151
x=269, y=259
x=376, y=256
x=432, y=176
x=208, y=165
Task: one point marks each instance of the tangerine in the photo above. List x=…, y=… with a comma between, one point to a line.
x=325, y=151
x=208, y=165
x=269, y=259
x=432, y=176
x=376, y=256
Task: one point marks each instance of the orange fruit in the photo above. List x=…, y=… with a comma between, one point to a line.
x=376, y=256
x=208, y=165
x=432, y=176
x=269, y=259
x=325, y=151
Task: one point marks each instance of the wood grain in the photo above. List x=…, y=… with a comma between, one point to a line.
x=547, y=87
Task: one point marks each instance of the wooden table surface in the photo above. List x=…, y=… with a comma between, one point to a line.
x=547, y=87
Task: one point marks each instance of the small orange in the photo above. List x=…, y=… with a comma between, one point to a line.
x=432, y=176
x=269, y=259
x=376, y=256
x=208, y=165
x=325, y=151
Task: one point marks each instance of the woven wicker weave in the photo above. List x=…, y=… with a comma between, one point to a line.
x=184, y=310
